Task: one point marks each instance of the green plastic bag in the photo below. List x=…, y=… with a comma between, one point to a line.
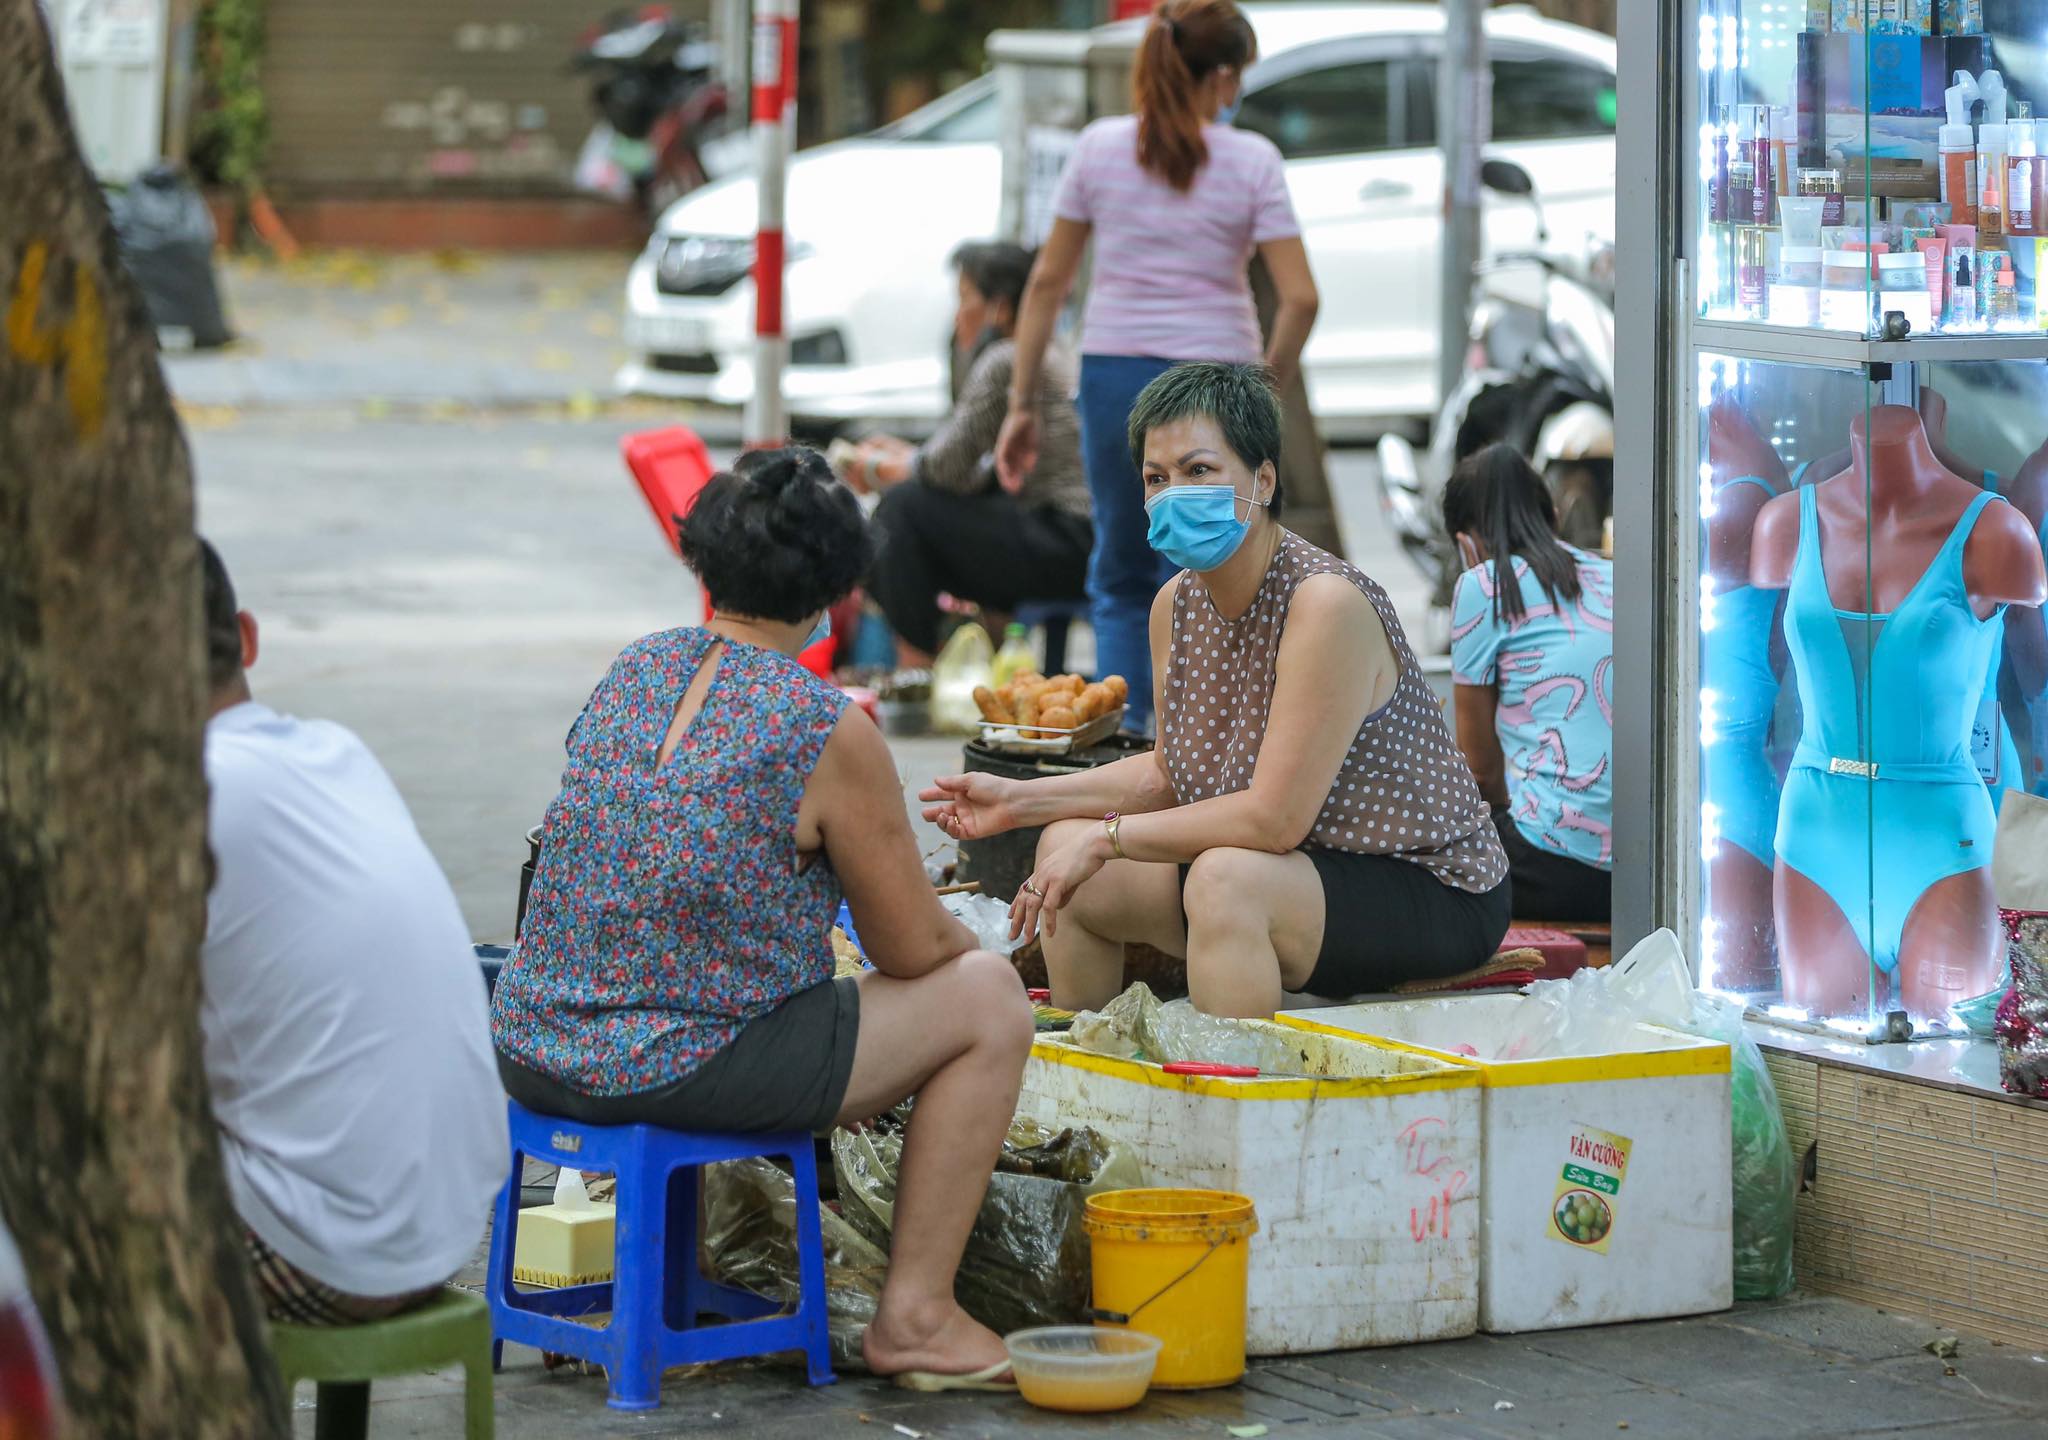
x=1766, y=1178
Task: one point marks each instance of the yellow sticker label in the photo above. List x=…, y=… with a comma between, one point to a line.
x=1582, y=1212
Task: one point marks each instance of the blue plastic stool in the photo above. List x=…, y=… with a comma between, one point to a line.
x=1054, y=616
x=656, y=1292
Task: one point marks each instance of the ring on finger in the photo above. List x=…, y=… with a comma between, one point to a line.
x=1034, y=889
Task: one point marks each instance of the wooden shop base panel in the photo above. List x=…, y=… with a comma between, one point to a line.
x=1927, y=1187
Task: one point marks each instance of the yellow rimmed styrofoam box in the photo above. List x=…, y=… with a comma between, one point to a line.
x=1607, y=1194
x=1363, y=1170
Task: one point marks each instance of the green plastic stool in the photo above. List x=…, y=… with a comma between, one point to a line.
x=342, y=1360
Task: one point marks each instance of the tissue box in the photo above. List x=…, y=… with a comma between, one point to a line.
x=558, y=1246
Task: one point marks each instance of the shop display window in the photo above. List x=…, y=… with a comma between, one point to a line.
x=1873, y=677
x=1873, y=167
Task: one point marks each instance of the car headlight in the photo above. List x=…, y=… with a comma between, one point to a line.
x=702, y=264
x=706, y=264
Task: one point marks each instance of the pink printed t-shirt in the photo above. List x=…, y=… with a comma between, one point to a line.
x=1170, y=265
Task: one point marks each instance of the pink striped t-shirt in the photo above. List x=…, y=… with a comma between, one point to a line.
x=1170, y=266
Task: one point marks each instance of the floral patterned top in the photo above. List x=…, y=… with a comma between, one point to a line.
x=669, y=907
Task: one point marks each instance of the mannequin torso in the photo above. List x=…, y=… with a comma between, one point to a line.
x=1882, y=854
x=1875, y=549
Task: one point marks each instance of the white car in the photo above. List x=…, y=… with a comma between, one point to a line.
x=1348, y=93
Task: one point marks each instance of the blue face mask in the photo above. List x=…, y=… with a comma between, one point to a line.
x=1196, y=526
x=821, y=631
x=1228, y=114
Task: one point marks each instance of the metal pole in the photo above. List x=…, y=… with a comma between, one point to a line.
x=1464, y=120
x=767, y=419
x=732, y=29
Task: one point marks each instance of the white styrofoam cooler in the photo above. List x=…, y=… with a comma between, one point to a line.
x=1365, y=1176
x=1638, y=1139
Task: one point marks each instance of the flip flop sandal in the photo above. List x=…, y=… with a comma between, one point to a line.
x=934, y=1381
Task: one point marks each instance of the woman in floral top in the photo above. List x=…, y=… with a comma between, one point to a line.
x=675, y=967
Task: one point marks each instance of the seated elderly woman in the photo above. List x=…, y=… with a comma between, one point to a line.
x=675, y=967
x=1306, y=823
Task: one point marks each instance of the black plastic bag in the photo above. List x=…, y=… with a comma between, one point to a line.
x=167, y=236
x=1027, y=1258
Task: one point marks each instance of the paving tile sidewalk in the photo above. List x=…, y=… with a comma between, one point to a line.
x=1805, y=1367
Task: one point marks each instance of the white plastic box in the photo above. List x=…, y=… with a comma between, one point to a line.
x=1636, y=1141
x=1365, y=1177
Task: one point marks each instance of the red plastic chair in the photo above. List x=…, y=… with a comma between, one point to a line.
x=672, y=467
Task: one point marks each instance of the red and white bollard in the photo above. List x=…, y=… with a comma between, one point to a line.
x=774, y=122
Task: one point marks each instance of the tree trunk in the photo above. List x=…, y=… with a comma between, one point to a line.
x=112, y=1180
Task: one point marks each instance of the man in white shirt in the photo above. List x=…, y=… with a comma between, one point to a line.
x=347, y=1035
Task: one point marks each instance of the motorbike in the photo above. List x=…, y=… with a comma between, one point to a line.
x=1538, y=375
x=661, y=105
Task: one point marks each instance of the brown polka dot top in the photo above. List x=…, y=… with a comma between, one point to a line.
x=1405, y=790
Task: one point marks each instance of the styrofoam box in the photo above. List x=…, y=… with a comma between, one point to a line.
x=1364, y=1174
x=1666, y=1248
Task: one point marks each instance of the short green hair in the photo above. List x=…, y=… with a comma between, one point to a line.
x=1239, y=398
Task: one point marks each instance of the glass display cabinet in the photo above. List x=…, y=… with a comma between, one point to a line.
x=1858, y=237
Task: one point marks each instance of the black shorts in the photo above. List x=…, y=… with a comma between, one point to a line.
x=1388, y=921
x=786, y=1071
x=1549, y=886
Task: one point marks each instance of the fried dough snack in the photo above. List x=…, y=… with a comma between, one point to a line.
x=1094, y=700
x=1065, y=702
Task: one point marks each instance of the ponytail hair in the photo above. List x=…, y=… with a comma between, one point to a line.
x=1185, y=43
x=1496, y=496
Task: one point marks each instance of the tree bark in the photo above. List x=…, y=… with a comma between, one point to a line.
x=112, y=1180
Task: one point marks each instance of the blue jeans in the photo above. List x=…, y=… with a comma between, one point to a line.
x=1124, y=572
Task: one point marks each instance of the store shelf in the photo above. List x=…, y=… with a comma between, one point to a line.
x=1842, y=348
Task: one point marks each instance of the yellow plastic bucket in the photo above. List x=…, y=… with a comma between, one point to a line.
x=1172, y=1263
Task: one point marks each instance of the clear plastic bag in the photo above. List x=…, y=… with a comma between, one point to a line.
x=1118, y=1029
x=987, y=917
x=1595, y=1011
x=966, y=660
x=1137, y=1026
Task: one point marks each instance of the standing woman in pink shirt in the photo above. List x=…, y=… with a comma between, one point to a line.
x=1177, y=202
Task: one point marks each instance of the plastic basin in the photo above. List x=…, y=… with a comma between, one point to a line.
x=1081, y=1368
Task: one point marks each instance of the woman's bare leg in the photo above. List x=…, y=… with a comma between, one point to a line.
x=956, y=1039
x=1126, y=901
x=1255, y=930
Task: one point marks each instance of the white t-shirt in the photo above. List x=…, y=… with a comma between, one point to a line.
x=347, y=1035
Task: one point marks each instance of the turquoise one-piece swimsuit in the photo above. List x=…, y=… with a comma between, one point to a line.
x=1735, y=662
x=1883, y=800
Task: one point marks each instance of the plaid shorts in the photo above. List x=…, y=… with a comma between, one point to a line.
x=291, y=1295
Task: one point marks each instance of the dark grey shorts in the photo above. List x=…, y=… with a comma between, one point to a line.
x=787, y=1070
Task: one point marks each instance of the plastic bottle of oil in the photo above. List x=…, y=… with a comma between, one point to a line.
x=1015, y=657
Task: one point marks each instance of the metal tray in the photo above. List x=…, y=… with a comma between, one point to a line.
x=1012, y=740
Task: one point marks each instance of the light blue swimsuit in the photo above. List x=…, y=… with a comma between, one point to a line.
x=1735, y=663
x=1884, y=800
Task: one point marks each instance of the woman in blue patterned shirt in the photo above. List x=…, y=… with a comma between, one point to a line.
x=1532, y=662
x=675, y=967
